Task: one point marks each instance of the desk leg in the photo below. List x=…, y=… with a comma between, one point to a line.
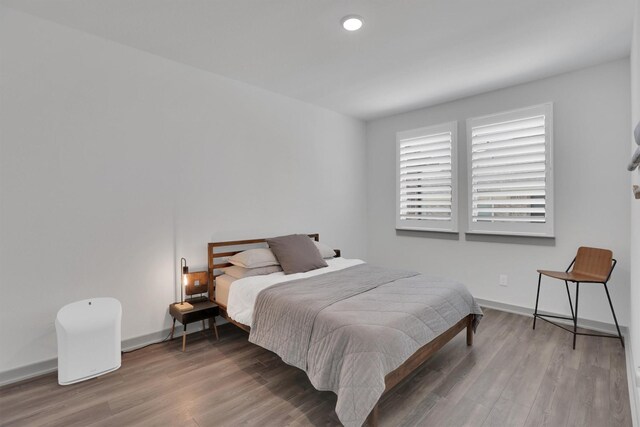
x=215, y=327
x=204, y=328
x=173, y=327
x=184, y=337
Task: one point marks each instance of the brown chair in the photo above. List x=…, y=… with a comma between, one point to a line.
x=591, y=265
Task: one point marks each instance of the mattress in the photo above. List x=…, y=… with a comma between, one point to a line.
x=223, y=283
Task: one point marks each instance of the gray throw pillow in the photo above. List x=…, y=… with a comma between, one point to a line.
x=296, y=253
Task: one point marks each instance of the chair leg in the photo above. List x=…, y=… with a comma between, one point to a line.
x=566, y=284
x=535, y=312
x=575, y=318
x=615, y=319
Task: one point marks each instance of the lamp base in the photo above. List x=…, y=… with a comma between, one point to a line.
x=184, y=306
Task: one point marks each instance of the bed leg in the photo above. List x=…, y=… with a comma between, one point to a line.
x=470, y=329
x=372, y=419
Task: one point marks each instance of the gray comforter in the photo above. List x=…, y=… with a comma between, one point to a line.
x=347, y=329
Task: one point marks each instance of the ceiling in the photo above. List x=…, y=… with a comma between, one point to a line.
x=409, y=54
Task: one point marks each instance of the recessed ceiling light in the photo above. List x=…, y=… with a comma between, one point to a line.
x=352, y=22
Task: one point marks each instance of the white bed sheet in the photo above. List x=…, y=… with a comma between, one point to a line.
x=243, y=292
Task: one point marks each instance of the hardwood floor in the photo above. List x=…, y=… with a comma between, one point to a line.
x=512, y=376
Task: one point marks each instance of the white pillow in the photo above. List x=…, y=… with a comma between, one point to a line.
x=254, y=258
x=325, y=251
x=238, y=272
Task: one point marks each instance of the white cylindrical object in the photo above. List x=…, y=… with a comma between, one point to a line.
x=89, y=333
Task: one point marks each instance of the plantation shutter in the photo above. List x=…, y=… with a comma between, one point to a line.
x=426, y=178
x=510, y=174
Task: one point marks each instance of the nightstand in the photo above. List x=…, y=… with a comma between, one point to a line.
x=202, y=310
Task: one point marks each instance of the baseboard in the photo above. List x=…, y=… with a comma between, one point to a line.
x=51, y=365
x=28, y=371
x=608, y=328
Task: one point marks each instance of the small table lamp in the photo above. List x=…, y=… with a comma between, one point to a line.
x=184, y=306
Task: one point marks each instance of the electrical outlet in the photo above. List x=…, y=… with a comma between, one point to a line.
x=503, y=280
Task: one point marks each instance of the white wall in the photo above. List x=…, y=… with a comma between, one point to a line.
x=591, y=119
x=635, y=204
x=115, y=163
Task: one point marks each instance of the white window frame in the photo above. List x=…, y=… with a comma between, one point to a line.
x=545, y=229
x=430, y=225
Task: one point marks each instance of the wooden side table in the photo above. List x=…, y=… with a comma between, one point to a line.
x=201, y=310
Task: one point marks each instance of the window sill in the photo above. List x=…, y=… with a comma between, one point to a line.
x=428, y=230
x=520, y=239
x=508, y=234
x=428, y=234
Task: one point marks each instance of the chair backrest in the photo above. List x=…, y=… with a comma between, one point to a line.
x=593, y=262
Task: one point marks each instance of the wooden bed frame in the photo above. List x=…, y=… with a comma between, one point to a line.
x=218, y=250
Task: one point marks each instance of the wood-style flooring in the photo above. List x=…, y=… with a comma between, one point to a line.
x=512, y=376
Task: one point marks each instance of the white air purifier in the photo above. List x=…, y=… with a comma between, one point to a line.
x=88, y=339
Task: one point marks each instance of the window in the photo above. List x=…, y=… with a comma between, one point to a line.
x=510, y=172
x=426, y=178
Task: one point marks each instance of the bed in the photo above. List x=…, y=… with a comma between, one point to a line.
x=355, y=329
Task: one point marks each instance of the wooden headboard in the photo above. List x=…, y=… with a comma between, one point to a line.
x=217, y=250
